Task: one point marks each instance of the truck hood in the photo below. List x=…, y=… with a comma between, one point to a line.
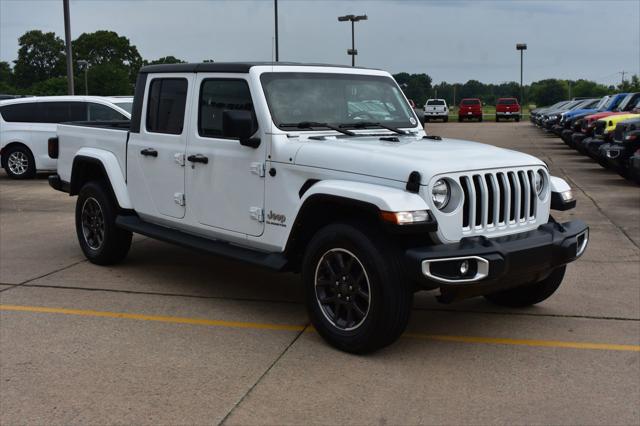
x=371, y=156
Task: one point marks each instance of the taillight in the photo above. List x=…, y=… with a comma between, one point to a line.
x=53, y=147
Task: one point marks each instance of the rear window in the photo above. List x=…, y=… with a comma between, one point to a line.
x=127, y=106
x=507, y=102
x=435, y=102
x=44, y=112
x=471, y=102
x=19, y=113
x=165, y=110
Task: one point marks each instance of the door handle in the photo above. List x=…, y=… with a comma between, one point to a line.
x=148, y=152
x=198, y=158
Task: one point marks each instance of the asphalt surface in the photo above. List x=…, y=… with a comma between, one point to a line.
x=174, y=337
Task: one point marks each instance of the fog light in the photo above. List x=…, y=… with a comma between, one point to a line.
x=582, y=241
x=464, y=267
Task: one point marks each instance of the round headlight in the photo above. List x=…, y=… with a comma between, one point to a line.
x=440, y=194
x=539, y=182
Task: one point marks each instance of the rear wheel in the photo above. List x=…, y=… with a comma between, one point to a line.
x=19, y=163
x=529, y=294
x=480, y=119
x=459, y=119
x=101, y=241
x=445, y=120
x=497, y=119
x=355, y=292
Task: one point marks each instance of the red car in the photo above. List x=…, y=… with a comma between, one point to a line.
x=507, y=108
x=470, y=108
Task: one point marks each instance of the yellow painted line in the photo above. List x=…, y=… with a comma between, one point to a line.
x=526, y=342
x=263, y=326
x=157, y=318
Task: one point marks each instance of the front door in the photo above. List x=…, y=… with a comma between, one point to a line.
x=225, y=180
x=155, y=156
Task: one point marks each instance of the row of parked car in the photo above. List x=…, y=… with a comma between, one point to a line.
x=471, y=109
x=27, y=123
x=605, y=129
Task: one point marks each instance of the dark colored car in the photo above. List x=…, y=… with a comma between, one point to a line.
x=507, y=108
x=634, y=167
x=470, y=108
x=626, y=141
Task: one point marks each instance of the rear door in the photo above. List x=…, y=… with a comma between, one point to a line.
x=155, y=155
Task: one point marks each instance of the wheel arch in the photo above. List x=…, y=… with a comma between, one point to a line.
x=88, y=166
x=328, y=202
x=5, y=148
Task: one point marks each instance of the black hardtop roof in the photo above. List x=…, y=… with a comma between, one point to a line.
x=230, y=67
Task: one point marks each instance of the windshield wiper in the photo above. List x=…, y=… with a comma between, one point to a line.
x=365, y=124
x=311, y=124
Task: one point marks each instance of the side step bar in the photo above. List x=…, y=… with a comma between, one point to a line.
x=275, y=261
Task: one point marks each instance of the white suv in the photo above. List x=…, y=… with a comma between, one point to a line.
x=26, y=124
x=436, y=109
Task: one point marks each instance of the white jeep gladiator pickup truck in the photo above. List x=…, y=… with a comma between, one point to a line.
x=321, y=170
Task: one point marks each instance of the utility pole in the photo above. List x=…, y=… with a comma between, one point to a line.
x=67, y=40
x=622, y=73
x=454, y=95
x=275, y=9
x=353, y=18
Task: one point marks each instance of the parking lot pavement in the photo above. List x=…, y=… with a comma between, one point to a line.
x=174, y=337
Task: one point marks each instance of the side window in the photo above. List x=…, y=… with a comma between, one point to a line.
x=19, y=113
x=60, y=112
x=166, y=104
x=216, y=96
x=99, y=112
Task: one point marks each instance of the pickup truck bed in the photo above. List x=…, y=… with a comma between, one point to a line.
x=109, y=136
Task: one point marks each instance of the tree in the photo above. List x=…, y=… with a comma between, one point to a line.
x=550, y=91
x=56, y=86
x=6, y=79
x=415, y=86
x=165, y=60
x=586, y=88
x=107, y=47
x=632, y=85
x=108, y=80
x=40, y=57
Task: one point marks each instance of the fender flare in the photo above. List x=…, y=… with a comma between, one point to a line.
x=558, y=184
x=110, y=167
x=385, y=198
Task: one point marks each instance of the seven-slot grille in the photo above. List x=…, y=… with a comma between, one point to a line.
x=494, y=199
x=600, y=126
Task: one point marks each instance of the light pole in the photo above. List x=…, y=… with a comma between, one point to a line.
x=275, y=13
x=67, y=46
x=521, y=47
x=353, y=18
x=84, y=65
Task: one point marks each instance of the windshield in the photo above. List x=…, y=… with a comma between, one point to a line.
x=626, y=102
x=435, y=102
x=613, y=102
x=337, y=99
x=470, y=102
x=506, y=101
x=127, y=106
x=602, y=102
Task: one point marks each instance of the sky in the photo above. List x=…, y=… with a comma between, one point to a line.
x=453, y=41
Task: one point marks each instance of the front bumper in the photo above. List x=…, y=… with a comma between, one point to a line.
x=506, y=262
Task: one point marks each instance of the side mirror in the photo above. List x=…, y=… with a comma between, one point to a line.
x=240, y=124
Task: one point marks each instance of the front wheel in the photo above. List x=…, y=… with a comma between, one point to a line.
x=101, y=241
x=529, y=294
x=355, y=293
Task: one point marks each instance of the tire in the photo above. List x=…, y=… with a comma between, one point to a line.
x=445, y=120
x=426, y=120
x=356, y=296
x=480, y=119
x=100, y=240
x=529, y=294
x=459, y=119
x=517, y=119
x=497, y=119
x=19, y=162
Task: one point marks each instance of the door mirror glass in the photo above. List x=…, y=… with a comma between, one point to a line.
x=240, y=124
